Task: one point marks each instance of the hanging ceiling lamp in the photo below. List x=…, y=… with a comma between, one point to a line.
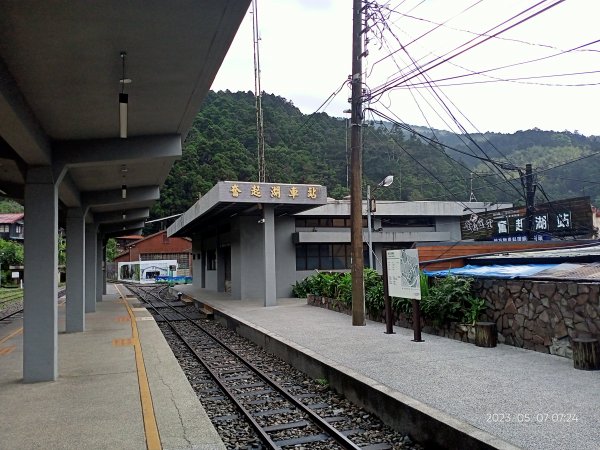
x=123, y=100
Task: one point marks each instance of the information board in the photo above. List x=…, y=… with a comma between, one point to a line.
x=403, y=273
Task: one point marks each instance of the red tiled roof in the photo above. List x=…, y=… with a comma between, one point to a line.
x=11, y=218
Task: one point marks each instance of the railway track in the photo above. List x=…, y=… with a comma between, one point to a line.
x=282, y=409
x=15, y=307
x=11, y=315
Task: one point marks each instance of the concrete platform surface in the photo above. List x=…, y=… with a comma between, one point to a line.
x=96, y=401
x=526, y=398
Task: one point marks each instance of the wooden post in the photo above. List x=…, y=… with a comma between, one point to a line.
x=586, y=353
x=485, y=334
x=389, y=314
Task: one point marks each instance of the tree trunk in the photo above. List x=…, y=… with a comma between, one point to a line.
x=485, y=334
x=586, y=354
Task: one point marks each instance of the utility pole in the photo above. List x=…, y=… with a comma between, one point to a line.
x=356, y=230
x=529, y=200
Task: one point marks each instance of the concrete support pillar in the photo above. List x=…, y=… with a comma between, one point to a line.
x=75, y=315
x=269, y=255
x=220, y=270
x=99, y=274
x=91, y=232
x=203, y=269
x=104, y=266
x=40, y=318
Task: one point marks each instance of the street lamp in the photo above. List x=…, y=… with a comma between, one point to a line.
x=383, y=183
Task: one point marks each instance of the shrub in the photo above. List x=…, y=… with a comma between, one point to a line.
x=345, y=289
x=447, y=300
x=450, y=300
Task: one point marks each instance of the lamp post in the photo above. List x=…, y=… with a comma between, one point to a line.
x=383, y=183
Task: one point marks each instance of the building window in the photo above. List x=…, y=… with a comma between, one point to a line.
x=211, y=260
x=400, y=221
x=4, y=228
x=183, y=259
x=337, y=222
x=18, y=229
x=323, y=256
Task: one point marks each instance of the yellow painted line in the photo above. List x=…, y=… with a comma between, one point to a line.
x=150, y=425
x=7, y=350
x=13, y=334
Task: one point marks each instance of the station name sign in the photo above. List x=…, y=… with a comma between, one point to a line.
x=248, y=192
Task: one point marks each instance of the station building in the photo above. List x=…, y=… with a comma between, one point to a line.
x=256, y=240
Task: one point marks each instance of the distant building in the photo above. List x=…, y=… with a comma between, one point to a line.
x=11, y=226
x=125, y=241
x=158, y=246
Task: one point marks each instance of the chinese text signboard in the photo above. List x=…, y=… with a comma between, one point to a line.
x=403, y=273
x=245, y=192
x=561, y=218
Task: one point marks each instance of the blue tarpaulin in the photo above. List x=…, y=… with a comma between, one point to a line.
x=495, y=271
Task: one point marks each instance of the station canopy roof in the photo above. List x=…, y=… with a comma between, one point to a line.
x=61, y=73
x=229, y=199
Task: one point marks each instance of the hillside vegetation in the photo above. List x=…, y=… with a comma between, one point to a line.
x=314, y=148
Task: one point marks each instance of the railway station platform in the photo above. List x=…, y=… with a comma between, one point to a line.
x=508, y=397
x=119, y=387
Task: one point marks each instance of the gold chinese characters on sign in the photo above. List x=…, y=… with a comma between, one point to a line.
x=255, y=191
x=235, y=191
x=293, y=192
x=274, y=191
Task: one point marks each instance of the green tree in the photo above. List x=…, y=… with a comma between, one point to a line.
x=299, y=148
x=11, y=254
x=10, y=206
x=111, y=250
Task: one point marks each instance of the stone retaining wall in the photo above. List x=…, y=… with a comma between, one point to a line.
x=537, y=315
x=541, y=315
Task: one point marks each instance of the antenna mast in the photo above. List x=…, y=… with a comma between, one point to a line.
x=260, y=135
x=472, y=197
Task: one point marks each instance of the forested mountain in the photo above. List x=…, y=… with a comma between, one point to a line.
x=314, y=148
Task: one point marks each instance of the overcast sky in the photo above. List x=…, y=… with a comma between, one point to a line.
x=305, y=54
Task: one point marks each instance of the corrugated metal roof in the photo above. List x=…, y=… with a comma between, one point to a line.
x=591, y=251
x=565, y=271
x=589, y=272
x=11, y=218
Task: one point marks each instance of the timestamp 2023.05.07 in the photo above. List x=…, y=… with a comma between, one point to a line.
x=532, y=417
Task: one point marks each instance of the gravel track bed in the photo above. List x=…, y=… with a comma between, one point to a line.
x=236, y=432
x=9, y=307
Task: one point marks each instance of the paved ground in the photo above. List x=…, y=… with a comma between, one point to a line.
x=95, y=403
x=530, y=399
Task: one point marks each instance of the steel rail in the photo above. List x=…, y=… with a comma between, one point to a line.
x=318, y=420
x=11, y=314
x=261, y=432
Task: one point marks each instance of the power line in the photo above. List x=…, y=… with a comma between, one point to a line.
x=432, y=141
x=449, y=112
x=426, y=33
x=434, y=176
x=520, y=41
x=517, y=80
x=458, y=51
x=520, y=63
